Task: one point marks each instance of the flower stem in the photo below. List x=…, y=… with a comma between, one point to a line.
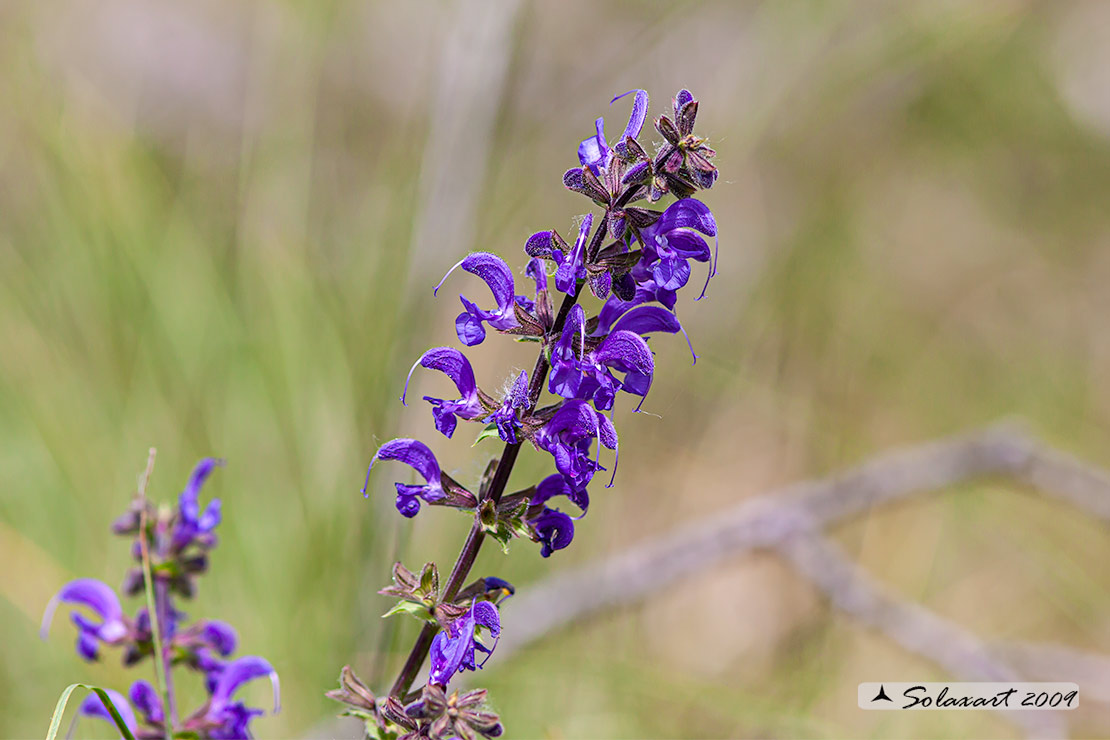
x=476, y=536
x=157, y=604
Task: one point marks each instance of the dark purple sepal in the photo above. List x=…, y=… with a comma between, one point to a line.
x=667, y=128
x=601, y=284
x=574, y=181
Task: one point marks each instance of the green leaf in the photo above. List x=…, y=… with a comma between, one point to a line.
x=520, y=529
x=503, y=536
x=489, y=431
x=374, y=732
x=420, y=611
x=60, y=709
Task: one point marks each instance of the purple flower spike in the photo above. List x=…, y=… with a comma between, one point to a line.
x=416, y=455
x=571, y=267
x=93, y=706
x=496, y=274
x=454, y=365
x=453, y=649
x=102, y=600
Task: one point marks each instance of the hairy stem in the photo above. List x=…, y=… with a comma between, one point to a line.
x=157, y=603
x=164, y=609
x=476, y=536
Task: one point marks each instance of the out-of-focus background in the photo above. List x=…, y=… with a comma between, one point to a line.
x=219, y=228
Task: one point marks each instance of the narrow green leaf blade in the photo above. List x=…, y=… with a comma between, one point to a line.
x=63, y=700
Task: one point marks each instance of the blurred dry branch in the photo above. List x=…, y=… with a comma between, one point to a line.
x=789, y=521
x=958, y=651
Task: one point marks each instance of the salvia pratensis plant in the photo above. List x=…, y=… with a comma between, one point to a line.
x=171, y=547
x=634, y=258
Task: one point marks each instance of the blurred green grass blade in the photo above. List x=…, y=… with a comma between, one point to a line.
x=63, y=700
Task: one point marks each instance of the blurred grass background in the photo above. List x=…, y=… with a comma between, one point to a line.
x=219, y=228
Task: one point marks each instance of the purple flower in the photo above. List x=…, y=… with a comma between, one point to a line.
x=506, y=417
x=541, y=307
x=571, y=267
x=640, y=319
x=206, y=644
x=453, y=649
x=93, y=706
x=416, y=455
x=454, y=365
x=556, y=485
x=193, y=525
x=570, y=261
x=220, y=636
x=555, y=529
x=569, y=435
x=499, y=586
x=145, y=698
x=167, y=623
x=645, y=291
x=594, y=151
x=113, y=628
x=566, y=372
x=671, y=242
x=622, y=351
x=496, y=274
x=223, y=718
x=590, y=377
